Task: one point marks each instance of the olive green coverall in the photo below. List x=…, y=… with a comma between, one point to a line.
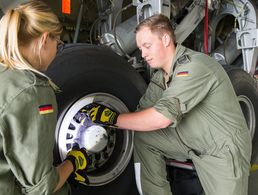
x=27, y=130
x=208, y=128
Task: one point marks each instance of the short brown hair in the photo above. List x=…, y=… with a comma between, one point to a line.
x=159, y=24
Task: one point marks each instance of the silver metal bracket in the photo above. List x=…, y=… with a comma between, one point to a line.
x=247, y=34
x=248, y=37
x=148, y=8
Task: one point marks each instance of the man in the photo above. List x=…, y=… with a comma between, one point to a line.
x=189, y=111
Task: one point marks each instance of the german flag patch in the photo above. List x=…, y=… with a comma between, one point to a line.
x=46, y=109
x=182, y=74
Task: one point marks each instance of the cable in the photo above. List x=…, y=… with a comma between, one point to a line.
x=92, y=27
x=206, y=29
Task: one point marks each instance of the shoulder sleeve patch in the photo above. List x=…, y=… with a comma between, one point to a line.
x=184, y=59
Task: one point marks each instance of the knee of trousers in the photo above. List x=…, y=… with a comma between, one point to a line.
x=142, y=138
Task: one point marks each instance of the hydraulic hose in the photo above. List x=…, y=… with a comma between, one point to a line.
x=206, y=29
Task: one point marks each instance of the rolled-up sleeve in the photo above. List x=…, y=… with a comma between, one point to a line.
x=170, y=109
x=190, y=84
x=28, y=140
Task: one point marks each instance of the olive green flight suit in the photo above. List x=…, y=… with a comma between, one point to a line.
x=27, y=127
x=208, y=128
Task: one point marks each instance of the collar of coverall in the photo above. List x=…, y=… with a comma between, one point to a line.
x=180, y=50
x=37, y=79
x=179, y=58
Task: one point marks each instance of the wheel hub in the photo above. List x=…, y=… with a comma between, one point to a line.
x=109, y=149
x=94, y=138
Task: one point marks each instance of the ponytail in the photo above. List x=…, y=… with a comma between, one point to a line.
x=19, y=27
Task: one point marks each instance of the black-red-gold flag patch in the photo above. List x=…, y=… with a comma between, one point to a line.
x=182, y=74
x=46, y=109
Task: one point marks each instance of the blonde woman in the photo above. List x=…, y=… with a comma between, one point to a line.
x=29, y=35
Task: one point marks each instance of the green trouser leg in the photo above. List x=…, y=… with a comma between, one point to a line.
x=150, y=150
x=225, y=171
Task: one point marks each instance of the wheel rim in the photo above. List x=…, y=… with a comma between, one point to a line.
x=249, y=113
x=109, y=149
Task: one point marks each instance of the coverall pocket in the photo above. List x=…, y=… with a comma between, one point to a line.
x=216, y=165
x=229, y=157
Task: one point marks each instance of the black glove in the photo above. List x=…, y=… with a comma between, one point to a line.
x=79, y=176
x=101, y=114
x=78, y=158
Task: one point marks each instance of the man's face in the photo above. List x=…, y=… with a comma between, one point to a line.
x=152, y=48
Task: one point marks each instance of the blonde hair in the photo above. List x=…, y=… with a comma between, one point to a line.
x=22, y=25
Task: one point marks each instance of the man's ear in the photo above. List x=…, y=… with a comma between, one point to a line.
x=166, y=40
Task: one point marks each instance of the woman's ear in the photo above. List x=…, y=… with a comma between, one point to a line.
x=43, y=40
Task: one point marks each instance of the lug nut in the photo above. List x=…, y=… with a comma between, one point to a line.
x=105, y=155
x=97, y=156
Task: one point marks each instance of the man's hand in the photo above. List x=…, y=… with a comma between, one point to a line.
x=78, y=158
x=101, y=114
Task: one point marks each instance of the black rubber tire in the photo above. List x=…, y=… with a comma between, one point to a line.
x=81, y=69
x=245, y=85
